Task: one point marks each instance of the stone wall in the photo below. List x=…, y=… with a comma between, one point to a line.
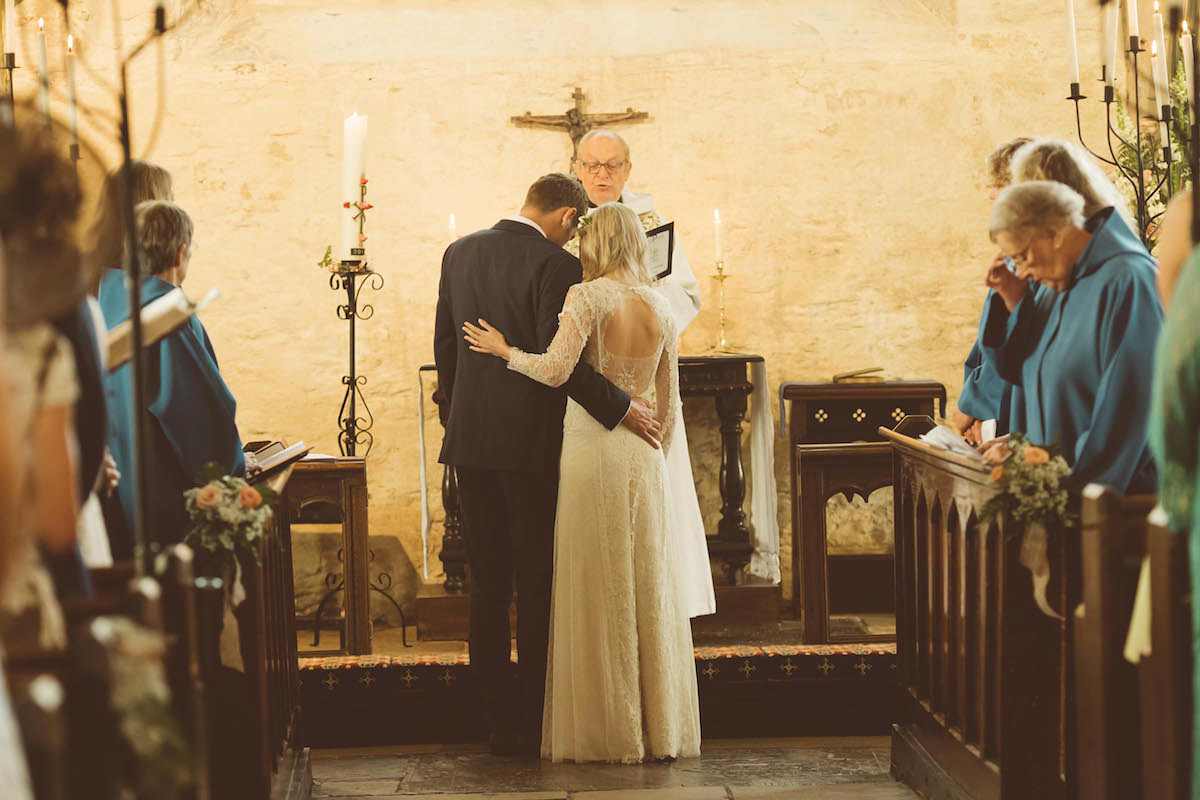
x=843, y=143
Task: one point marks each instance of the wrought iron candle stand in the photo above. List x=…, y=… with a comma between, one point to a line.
x=1136, y=180
x=354, y=430
x=9, y=66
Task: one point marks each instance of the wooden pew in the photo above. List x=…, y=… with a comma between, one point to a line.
x=256, y=737
x=982, y=680
x=1113, y=543
x=1165, y=676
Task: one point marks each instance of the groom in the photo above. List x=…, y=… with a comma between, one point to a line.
x=504, y=437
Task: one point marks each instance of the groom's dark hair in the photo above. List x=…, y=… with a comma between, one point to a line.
x=556, y=190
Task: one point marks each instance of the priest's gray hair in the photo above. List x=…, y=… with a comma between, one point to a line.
x=162, y=227
x=1049, y=159
x=614, y=242
x=1025, y=210
x=607, y=134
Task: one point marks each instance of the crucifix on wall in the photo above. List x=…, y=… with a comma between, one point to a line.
x=575, y=123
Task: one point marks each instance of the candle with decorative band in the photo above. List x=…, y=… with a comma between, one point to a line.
x=354, y=143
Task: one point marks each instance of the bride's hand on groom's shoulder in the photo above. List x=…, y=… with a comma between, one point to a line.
x=486, y=339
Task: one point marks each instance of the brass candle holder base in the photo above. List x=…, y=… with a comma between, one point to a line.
x=720, y=277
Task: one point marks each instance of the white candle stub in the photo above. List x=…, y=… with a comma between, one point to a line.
x=717, y=243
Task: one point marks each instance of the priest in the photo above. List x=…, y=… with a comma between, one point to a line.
x=603, y=166
x=191, y=411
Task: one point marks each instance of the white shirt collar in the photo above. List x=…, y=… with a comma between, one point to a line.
x=529, y=222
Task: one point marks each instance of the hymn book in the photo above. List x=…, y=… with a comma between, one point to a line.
x=275, y=456
x=660, y=250
x=160, y=317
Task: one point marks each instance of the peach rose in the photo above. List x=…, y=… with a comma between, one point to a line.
x=1036, y=455
x=208, y=496
x=250, y=497
x=998, y=474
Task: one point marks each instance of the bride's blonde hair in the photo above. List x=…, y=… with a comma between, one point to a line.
x=611, y=240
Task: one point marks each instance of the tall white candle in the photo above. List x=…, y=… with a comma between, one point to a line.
x=453, y=228
x=1131, y=7
x=1160, y=92
x=717, y=244
x=1189, y=60
x=354, y=146
x=9, y=30
x=1161, y=38
x=1072, y=46
x=1156, y=67
x=1111, y=34
x=43, y=75
x=72, y=105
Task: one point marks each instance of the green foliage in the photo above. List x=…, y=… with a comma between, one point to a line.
x=1178, y=177
x=1031, y=482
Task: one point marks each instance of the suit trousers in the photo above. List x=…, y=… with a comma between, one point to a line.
x=508, y=528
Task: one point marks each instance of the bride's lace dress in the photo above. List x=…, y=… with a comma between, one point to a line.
x=621, y=679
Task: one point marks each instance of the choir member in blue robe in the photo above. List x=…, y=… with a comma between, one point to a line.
x=984, y=393
x=191, y=410
x=1080, y=347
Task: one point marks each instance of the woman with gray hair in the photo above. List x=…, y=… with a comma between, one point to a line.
x=191, y=410
x=1079, y=350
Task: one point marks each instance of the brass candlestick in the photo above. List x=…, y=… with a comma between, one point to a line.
x=721, y=277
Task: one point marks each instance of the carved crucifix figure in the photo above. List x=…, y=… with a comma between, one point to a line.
x=576, y=123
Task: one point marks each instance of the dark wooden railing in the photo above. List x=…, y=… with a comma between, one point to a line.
x=242, y=727
x=1113, y=543
x=255, y=734
x=1134, y=723
x=1165, y=676
x=982, y=685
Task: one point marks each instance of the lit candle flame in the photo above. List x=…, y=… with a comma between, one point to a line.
x=1155, y=6
x=41, y=24
x=70, y=43
x=1153, y=48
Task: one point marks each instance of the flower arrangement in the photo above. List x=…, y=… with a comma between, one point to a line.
x=1031, y=483
x=227, y=514
x=161, y=762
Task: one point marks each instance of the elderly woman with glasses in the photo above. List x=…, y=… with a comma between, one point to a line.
x=1079, y=350
x=190, y=409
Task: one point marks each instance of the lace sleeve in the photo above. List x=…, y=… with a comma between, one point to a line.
x=666, y=387
x=555, y=366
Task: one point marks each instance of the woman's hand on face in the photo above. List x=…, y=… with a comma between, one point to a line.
x=1010, y=288
x=486, y=339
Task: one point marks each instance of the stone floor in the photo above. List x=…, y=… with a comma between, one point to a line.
x=850, y=768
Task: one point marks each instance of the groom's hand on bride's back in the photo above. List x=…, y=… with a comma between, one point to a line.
x=641, y=420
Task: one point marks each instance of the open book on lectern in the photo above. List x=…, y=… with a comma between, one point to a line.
x=660, y=251
x=160, y=317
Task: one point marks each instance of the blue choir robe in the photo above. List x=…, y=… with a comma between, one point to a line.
x=190, y=421
x=985, y=394
x=1081, y=360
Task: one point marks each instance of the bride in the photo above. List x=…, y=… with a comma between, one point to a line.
x=621, y=682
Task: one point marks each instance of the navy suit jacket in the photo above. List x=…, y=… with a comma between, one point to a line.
x=516, y=279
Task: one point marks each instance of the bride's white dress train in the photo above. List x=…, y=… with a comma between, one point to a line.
x=621, y=679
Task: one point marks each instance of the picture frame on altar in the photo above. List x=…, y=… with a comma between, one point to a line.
x=660, y=250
